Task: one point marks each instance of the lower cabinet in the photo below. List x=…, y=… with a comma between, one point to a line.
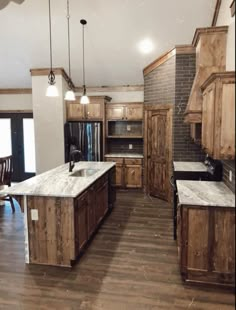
x=206, y=244
x=89, y=209
x=128, y=172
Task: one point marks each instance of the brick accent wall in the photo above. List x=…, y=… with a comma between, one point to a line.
x=184, y=148
x=159, y=85
x=171, y=82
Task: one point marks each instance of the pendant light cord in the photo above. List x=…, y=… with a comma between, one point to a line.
x=68, y=24
x=83, y=59
x=50, y=32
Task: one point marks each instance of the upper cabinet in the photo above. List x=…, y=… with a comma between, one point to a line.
x=210, y=44
x=124, y=111
x=94, y=111
x=218, y=115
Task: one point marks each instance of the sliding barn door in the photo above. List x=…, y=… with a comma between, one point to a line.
x=158, y=128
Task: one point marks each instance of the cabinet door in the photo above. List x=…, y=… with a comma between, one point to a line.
x=94, y=111
x=208, y=119
x=119, y=174
x=81, y=222
x=91, y=211
x=75, y=111
x=225, y=123
x=223, y=254
x=115, y=112
x=134, y=112
x=133, y=176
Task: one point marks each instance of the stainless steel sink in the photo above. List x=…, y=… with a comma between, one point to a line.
x=84, y=173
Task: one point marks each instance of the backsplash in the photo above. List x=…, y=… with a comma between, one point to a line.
x=116, y=146
x=227, y=166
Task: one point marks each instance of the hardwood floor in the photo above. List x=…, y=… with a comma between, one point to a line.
x=131, y=264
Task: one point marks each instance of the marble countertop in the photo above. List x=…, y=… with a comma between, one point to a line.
x=189, y=166
x=127, y=155
x=58, y=182
x=205, y=193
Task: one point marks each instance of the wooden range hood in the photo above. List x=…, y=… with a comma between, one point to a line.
x=210, y=44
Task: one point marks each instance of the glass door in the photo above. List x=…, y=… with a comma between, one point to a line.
x=17, y=139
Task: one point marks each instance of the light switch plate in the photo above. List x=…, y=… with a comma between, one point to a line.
x=128, y=128
x=230, y=176
x=34, y=215
x=130, y=146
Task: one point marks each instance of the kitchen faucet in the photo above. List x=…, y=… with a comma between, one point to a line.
x=72, y=159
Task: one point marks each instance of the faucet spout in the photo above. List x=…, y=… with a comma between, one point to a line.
x=72, y=159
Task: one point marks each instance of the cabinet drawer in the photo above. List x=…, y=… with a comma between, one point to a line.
x=115, y=160
x=133, y=161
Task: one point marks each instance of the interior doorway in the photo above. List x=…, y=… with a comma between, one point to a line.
x=158, y=150
x=17, y=139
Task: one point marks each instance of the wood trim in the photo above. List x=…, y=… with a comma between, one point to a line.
x=232, y=8
x=159, y=61
x=15, y=91
x=15, y=111
x=193, y=117
x=215, y=75
x=125, y=88
x=164, y=106
x=178, y=49
x=185, y=49
x=207, y=30
x=216, y=13
x=105, y=98
x=57, y=71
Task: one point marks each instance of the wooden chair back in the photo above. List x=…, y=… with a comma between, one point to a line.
x=6, y=170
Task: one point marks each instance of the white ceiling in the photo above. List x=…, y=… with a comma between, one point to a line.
x=114, y=30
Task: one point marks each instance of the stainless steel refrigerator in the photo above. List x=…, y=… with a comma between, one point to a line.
x=87, y=137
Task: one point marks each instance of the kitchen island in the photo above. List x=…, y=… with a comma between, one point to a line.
x=62, y=210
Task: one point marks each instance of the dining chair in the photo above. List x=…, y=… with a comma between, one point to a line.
x=5, y=178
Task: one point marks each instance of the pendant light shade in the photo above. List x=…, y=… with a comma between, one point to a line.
x=69, y=95
x=52, y=89
x=84, y=99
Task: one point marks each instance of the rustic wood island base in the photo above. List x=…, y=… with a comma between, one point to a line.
x=61, y=218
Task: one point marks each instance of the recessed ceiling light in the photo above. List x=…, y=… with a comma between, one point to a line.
x=146, y=46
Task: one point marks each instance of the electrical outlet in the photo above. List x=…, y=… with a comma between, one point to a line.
x=128, y=128
x=230, y=176
x=130, y=146
x=34, y=215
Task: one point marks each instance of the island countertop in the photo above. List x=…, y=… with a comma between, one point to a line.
x=205, y=193
x=58, y=182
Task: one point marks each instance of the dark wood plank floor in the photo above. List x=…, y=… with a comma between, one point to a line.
x=130, y=265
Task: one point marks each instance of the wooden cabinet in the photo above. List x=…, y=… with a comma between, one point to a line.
x=206, y=243
x=81, y=222
x=218, y=115
x=128, y=172
x=124, y=111
x=94, y=111
x=89, y=210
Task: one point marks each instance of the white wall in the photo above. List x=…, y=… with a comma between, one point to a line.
x=49, y=118
x=15, y=102
x=225, y=19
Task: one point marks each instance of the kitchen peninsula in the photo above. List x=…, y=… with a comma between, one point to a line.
x=62, y=210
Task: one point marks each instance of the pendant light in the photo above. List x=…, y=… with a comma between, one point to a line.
x=70, y=95
x=52, y=89
x=84, y=99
